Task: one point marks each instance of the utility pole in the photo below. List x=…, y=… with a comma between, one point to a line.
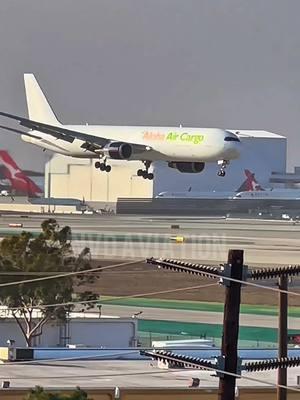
x=282, y=335
x=229, y=361
x=231, y=324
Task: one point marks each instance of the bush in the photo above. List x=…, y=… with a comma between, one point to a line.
x=40, y=394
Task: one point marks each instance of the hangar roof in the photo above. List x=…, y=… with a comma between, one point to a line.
x=256, y=134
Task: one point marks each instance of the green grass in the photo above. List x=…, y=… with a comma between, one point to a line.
x=195, y=306
x=206, y=330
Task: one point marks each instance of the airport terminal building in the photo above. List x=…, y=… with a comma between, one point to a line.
x=263, y=154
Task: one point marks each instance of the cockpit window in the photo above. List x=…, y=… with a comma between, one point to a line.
x=231, y=139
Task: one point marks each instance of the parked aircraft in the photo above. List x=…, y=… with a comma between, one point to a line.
x=13, y=180
x=250, y=184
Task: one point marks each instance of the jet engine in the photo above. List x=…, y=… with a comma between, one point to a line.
x=187, y=167
x=118, y=150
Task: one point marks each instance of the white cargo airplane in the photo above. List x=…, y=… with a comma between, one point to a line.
x=185, y=149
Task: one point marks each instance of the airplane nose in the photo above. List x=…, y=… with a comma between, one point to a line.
x=232, y=146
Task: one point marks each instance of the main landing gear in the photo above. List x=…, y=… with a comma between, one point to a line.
x=102, y=166
x=223, y=164
x=145, y=173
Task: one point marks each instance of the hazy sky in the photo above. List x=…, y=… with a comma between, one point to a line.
x=206, y=63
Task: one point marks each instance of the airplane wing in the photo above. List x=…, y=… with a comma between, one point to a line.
x=91, y=142
x=7, y=128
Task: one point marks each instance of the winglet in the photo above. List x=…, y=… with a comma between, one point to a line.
x=38, y=107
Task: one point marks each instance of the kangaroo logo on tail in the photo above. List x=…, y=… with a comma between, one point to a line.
x=250, y=184
x=19, y=181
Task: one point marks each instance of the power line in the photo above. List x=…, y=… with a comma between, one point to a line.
x=232, y=275
x=89, y=376
x=207, y=272
x=115, y=298
x=73, y=273
x=210, y=271
x=83, y=358
x=219, y=371
x=51, y=360
x=50, y=273
x=148, y=293
x=191, y=363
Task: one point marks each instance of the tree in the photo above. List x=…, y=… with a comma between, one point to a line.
x=39, y=394
x=26, y=256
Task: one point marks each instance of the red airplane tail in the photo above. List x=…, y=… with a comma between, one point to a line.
x=20, y=184
x=250, y=184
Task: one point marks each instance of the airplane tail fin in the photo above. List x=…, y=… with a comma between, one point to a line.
x=38, y=107
x=19, y=182
x=250, y=184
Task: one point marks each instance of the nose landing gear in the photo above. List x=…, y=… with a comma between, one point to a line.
x=145, y=173
x=223, y=164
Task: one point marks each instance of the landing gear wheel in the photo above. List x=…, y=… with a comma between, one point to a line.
x=150, y=176
x=102, y=166
x=223, y=164
x=145, y=172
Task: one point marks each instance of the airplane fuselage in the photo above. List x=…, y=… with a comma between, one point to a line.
x=165, y=143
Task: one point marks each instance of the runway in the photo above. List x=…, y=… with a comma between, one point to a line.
x=161, y=225
x=265, y=242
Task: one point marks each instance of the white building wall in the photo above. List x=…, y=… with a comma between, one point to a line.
x=109, y=334
x=10, y=330
x=78, y=178
x=262, y=153
x=91, y=332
